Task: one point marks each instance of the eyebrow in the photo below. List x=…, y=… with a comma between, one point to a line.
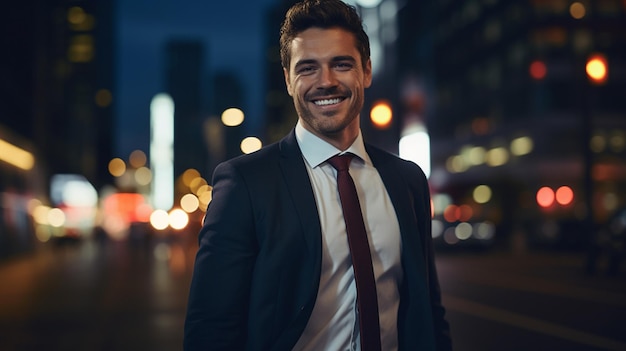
x=334, y=59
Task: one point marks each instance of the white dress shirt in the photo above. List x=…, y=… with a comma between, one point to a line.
x=334, y=323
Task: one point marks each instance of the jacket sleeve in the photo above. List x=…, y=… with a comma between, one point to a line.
x=440, y=324
x=217, y=311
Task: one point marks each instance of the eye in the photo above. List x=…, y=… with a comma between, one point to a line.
x=304, y=70
x=344, y=66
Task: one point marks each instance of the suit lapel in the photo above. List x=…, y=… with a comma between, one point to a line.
x=404, y=204
x=414, y=321
x=296, y=177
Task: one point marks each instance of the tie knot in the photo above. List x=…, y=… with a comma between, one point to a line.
x=341, y=162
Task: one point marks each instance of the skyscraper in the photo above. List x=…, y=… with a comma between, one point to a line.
x=184, y=74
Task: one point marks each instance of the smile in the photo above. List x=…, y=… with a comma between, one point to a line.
x=326, y=102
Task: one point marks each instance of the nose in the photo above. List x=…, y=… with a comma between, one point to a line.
x=327, y=78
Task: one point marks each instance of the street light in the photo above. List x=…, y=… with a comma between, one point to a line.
x=597, y=69
x=381, y=114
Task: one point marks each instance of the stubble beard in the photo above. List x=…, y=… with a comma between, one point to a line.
x=327, y=123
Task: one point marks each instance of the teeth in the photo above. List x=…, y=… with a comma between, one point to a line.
x=327, y=102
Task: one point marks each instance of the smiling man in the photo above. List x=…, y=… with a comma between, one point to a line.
x=326, y=78
x=319, y=241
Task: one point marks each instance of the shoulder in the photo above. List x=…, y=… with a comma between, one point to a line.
x=252, y=163
x=265, y=160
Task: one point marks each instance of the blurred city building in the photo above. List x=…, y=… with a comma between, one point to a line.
x=184, y=72
x=60, y=76
x=280, y=114
x=57, y=96
x=513, y=108
x=228, y=93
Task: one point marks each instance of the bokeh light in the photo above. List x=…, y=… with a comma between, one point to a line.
x=205, y=198
x=538, y=70
x=381, y=114
x=117, y=167
x=597, y=143
x=482, y=194
x=440, y=202
x=564, y=195
x=189, y=203
x=545, y=197
x=232, y=117
x=16, y=156
x=577, y=10
x=196, y=184
x=451, y=213
x=103, y=98
x=596, y=69
x=137, y=158
x=475, y=155
x=449, y=236
x=159, y=219
x=456, y=164
x=40, y=214
x=76, y=15
x=465, y=213
x=463, y=231
x=143, y=176
x=484, y=230
x=250, y=145
x=56, y=217
x=480, y=126
x=617, y=141
x=437, y=228
x=497, y=156
x=521, y=146
x=178, y=219
x=610, y=201
x=189, y=175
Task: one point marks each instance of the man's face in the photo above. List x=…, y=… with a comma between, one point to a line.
x=327, y=81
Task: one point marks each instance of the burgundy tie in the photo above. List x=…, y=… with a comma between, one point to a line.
x=367, y=301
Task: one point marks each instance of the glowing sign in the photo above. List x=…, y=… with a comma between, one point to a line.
x=415, y=146
x=16, y=156
x=162, y=151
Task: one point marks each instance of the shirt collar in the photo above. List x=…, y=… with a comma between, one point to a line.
x=315, y=150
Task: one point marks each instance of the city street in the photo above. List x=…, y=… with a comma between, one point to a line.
x=532, y=302
x=132, y=296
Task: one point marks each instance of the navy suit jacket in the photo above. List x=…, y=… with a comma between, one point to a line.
x=257, y=269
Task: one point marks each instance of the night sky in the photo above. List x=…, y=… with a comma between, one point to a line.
x=233, y=33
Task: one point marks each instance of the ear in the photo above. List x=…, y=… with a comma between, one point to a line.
x=287, y=82
x=367, y=74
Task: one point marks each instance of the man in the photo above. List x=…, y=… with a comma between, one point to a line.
x=275, y=270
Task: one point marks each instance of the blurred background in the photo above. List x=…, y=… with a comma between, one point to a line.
x=113, y=115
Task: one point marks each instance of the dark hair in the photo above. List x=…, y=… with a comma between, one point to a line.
x=321, y=14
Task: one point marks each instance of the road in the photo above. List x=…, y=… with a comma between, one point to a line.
x=536, y=301
x=118, y=296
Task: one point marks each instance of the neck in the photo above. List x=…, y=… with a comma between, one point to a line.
x=341, y=139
